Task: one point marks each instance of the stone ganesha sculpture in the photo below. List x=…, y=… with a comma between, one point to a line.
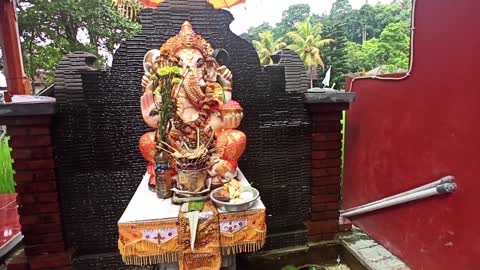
x=203, y=102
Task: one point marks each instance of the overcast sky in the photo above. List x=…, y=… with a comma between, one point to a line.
x=255, y=12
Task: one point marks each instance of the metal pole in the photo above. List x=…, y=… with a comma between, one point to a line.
x=17, y=82
x=443, y=180
x=440, y=189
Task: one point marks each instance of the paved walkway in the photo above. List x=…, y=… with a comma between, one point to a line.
x=372, y=255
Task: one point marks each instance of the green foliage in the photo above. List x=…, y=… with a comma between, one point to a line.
x=254, y=32
x=369, y=21
x=365, y=39
x=289, y=267
x=7, y=185
x=169, y=70
x=340, y=60
x=164, y=81
x=290, y=17
x=266, y=46
x=341, y=10
x=390, y=51
x=394, y=44
x=307, y=43
x=50, y=29
x=195, y=206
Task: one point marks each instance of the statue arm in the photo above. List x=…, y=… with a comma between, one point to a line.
x=147, y=103
x=224, y=78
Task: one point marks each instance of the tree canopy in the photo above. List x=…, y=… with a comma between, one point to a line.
x=374, y=36
x=255, y=31
x=51, y=29
x=290, y=17
x=370, y=37
x=307, y=43
x=266, y=46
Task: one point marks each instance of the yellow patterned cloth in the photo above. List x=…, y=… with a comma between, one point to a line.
x=154, y=242
x=146, y=243
x=242, y=231
x=206, y=255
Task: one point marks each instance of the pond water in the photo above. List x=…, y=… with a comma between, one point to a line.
x=330, y=256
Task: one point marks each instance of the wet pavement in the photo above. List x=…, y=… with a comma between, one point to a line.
x=370, y=253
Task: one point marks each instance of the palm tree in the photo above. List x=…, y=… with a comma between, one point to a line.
x=267, y=46
x=307, y=43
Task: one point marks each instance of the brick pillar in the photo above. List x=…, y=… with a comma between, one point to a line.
x=326, y=112
x=28, y=126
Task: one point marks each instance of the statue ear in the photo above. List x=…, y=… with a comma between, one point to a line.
x=149, y=59
x=222, y=57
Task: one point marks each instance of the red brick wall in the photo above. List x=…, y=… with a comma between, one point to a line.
x=326, y=171
x=38, y=205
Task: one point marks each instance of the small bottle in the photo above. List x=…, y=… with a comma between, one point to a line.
x=163, y=183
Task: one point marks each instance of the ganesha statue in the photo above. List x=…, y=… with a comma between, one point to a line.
x=203, y=112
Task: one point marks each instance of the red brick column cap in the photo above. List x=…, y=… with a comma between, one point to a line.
x=27, y=109
x=324, y=100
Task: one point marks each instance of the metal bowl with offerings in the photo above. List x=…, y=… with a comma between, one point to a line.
x=233, y=197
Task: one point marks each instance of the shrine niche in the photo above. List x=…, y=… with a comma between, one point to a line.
x=100, y=120
x=203, y=207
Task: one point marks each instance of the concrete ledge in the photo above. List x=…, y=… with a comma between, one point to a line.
x=328, y=97
x=24, y=109
x=10, y=245
x=372, y=255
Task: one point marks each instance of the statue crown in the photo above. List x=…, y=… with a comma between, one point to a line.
x=186, y=38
